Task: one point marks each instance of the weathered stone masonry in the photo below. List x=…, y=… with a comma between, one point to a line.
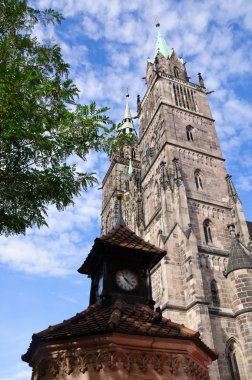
x=179, y=197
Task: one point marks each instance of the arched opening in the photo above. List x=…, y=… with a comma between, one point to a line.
x=159, y=238
x=215, y=293
x=176, y=72
x=235, y=360
x=198, y=179
x=133, y=154
x=207, y=231
x=189, y=133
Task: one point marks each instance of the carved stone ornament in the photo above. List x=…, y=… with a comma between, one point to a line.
x=65, y=363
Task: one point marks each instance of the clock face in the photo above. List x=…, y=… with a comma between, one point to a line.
x=126, y=279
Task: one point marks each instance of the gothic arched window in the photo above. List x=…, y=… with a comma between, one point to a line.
x=198, y=179
x=176, y=72
x=215, y=293
x=189, y=133
x=133, y=154
x=234, y=360
x=207, y=231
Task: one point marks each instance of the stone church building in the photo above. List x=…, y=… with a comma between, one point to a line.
x=179, y=197
x=176, y=252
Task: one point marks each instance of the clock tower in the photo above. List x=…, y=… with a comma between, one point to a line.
x=120, y=336
x=119, y=265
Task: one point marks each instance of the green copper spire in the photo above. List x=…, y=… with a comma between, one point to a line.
x=161, y=45
x=127, y=123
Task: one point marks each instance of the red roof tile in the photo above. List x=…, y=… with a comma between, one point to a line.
x=118, y=317
x=122, y=238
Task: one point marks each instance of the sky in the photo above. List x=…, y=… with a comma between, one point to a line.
x=107, y=44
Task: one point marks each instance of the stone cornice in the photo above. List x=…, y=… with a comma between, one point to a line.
x=212, y=310
x=198, y=150
x=119, y=351
x=173, y=79
x=179, y=146
x=211, y=202
x=213, y=251
x=223, y=313
x=168, y=306
x=182, y=81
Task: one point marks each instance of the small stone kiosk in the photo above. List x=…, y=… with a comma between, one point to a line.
x=120, y=335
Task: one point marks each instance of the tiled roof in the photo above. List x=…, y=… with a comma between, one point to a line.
x=120, y=318
x=239, y=257
x=122, y=238
x=126, y=238
x=249, y=224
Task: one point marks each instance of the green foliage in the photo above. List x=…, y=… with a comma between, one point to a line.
x=41, y=125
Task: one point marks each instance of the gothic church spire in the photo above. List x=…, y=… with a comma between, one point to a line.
x=161, y=45
x=127, y=125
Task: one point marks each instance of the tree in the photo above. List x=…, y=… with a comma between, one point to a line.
x=41, y=123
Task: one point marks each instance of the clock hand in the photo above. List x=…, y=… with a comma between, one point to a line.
x=127, y=281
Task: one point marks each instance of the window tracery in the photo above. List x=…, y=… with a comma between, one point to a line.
x=189, y=133
x=207, y=231
x=234, y=360
x=184, y=97
x=215, y=293
x=198, y=180
x=176, y=72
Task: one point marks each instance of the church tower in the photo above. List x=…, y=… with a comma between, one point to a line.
x=180, y=198
x=123, y=175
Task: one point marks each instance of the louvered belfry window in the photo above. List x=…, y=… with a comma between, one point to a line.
x=184, y=97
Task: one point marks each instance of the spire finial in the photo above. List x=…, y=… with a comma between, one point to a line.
x=157, y=23
x=127, y=93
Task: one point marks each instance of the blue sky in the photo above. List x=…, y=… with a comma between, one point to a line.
x=107, y=44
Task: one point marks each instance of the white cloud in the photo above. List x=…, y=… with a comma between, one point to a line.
x=56, y=251
x=213, y=35
x=244, y=183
